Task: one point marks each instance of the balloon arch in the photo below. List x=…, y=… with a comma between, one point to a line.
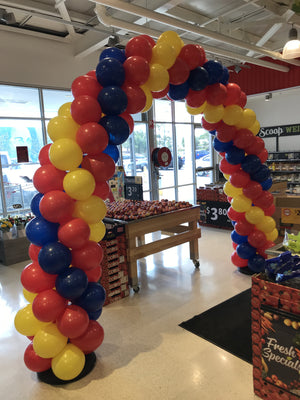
x=61, y=282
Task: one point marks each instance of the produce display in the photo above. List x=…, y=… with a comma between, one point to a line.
x=131, y=210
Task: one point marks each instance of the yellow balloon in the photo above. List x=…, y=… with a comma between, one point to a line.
x=232, y=114
x=273, y=235
x=254, y=215
x=255, y=128
x=241, y=203
x=62, y=127
x=163, y=54
x=158, y=78
x=92, y=210
x=98, y=231
x=231, y=191
x=29, y=296
x=213, y=114
x=65, y=110
x=196, y=111
x=172, y=39
x=226, y=176
x=69, y=363
x=149, y=98
x=65, y=154
x=79, y=184
x=266, y=225
x=248, y=119
x=26, y=323
x=48, y=341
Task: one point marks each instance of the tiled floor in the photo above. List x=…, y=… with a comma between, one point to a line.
x=145, y=354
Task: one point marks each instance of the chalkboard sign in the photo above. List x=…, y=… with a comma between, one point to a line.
x=133, y=188
x=215, y=213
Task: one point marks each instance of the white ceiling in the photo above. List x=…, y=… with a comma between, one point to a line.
x=231, y=31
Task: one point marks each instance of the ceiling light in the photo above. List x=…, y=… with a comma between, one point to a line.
x=292, y=47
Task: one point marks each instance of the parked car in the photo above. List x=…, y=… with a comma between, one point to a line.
x=203, y=162
x=141, y=163
x=180, y=163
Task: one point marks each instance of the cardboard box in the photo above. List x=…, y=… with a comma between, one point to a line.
x=290, y=215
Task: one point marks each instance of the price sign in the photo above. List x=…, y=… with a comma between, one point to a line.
x=133, y=188
x=215, y=213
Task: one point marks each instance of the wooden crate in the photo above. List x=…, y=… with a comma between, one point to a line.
x=13, y=251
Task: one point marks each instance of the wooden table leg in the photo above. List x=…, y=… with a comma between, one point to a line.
x=132, y=264
x=194, y=246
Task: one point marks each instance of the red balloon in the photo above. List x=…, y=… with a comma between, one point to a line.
x=161, y=94
x=242, y=100
x=228, y=168
x=74, y=234
x=226, y=133
x=44, y=155
x=244, y=138
x=48, y=305
x=137, y=70
x=35, y=279
x=195, y=98
x=91, y=339
x=33, y=251
x=233, y=94
x=234, y=245
x=263, y=156
x=34, y=362
x=102, y=166
x=193, y=55
x=92, y=74
x=87, y=257
x=238, y=261
x=149, y=39
x=73, y=322
x=85, y=85
x=128, y=118
x=101, y=190
x=235, y=215
x=85, y=109
x=47, y=178
x=179, y=72
x=239, y=179
x=256, y=147
x=244, y=227
x=262, y=250
x=94, y=274
x=139, y=46
x=92, y=138
x=216, y=94
x=270, y=210
x=56, y=206
x=208, y=126
x=265, y=200
x=257, y=239
x=136, y=98
x=252, y=190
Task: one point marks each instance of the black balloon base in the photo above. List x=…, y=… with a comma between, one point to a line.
x=49, y=377
x=246, y=271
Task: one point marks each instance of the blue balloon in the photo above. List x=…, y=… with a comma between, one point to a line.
x=222, y=146
x=262, y=174
x=251, y=163
x=71, y=283
x=266, y=184
x=225, y=76
x=54, y=258
x=245, y=250
x=215, y=71
x=178, y=92
x=40, y=231
x=112, y=151
x=95, y=314
x=35, y=204
x=110, y=72
x=235, y=155
x=213, y=132
x=93, y=297
x=113, y=52
x=116, y=127
x=236, y=238
x=257, y=263
x=198, y=78
x=113, y=100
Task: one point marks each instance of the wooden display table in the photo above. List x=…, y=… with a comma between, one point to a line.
x=170, y=223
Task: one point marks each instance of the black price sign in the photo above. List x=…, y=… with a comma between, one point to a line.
x=133, y=188
x=215, y=213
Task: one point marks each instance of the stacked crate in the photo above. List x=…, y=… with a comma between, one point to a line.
x=114, y=264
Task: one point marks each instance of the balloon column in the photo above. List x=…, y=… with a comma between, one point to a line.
x=61, y=282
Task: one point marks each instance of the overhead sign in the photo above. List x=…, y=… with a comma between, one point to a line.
x=282, y=130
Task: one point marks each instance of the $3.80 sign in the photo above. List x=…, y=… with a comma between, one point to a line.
x=216, y=213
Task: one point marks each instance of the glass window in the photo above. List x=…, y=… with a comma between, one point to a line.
x=167, y=194
x=186, y=193
x=181, y=115
x=54, y=99
x=162, y=111
x=19, y=102
x=164, y=138
x=185, y=162
x=204, y=156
